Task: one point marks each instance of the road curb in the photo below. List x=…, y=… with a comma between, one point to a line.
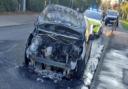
x=99, y=66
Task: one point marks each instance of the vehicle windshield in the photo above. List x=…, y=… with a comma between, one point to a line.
x=93, y=15
x=113, y=13
x=63, y=15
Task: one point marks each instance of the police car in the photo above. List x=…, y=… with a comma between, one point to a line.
x=93, y=18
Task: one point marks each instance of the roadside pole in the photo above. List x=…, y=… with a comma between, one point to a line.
x=49, y=2
x=24, y=5
x=45, y=3
x=71, y=5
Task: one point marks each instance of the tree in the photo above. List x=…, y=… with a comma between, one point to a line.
x=8, y=5
x=124, y=10
x=106, y=5
x=98, y=2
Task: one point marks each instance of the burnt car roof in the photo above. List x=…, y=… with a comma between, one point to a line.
x=62, y=15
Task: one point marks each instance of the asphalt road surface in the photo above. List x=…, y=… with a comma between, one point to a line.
x=12, y=76
x=113, y=70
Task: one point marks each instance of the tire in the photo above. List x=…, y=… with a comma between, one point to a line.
x=117, y=24
x=81, y=64
x=80, y=69
x=106, y=24
x=100, y=33
x=91, y=37
x=26, y=60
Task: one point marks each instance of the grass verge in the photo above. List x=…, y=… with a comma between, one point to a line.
x=124, y=24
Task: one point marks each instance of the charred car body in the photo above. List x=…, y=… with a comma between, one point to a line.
x=57, y=43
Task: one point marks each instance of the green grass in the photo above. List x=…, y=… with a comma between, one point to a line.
x=124, y=24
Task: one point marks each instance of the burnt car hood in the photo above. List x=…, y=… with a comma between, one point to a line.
x=62, y=15
x=77, y=29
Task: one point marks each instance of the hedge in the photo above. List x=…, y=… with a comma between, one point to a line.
x=38, y=5
x=8, y=5
x=35, y=5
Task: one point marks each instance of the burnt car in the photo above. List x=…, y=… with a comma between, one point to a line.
x=57, y=44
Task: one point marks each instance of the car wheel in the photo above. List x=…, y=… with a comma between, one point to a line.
x=105, y=23
x=26, y=60
x=81, y=64
x=117, y=24
x=100, y=33
x=80, y=69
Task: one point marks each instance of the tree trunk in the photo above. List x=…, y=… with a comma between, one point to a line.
x=127, y=16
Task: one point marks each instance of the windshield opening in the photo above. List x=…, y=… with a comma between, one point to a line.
x=60, y=30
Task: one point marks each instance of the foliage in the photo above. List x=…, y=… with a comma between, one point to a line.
x=124, y=10
x=106, y=5
x=38, y=5
x=125, y=24
x=8, y=5
x=75, y=4
x=35, y=5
